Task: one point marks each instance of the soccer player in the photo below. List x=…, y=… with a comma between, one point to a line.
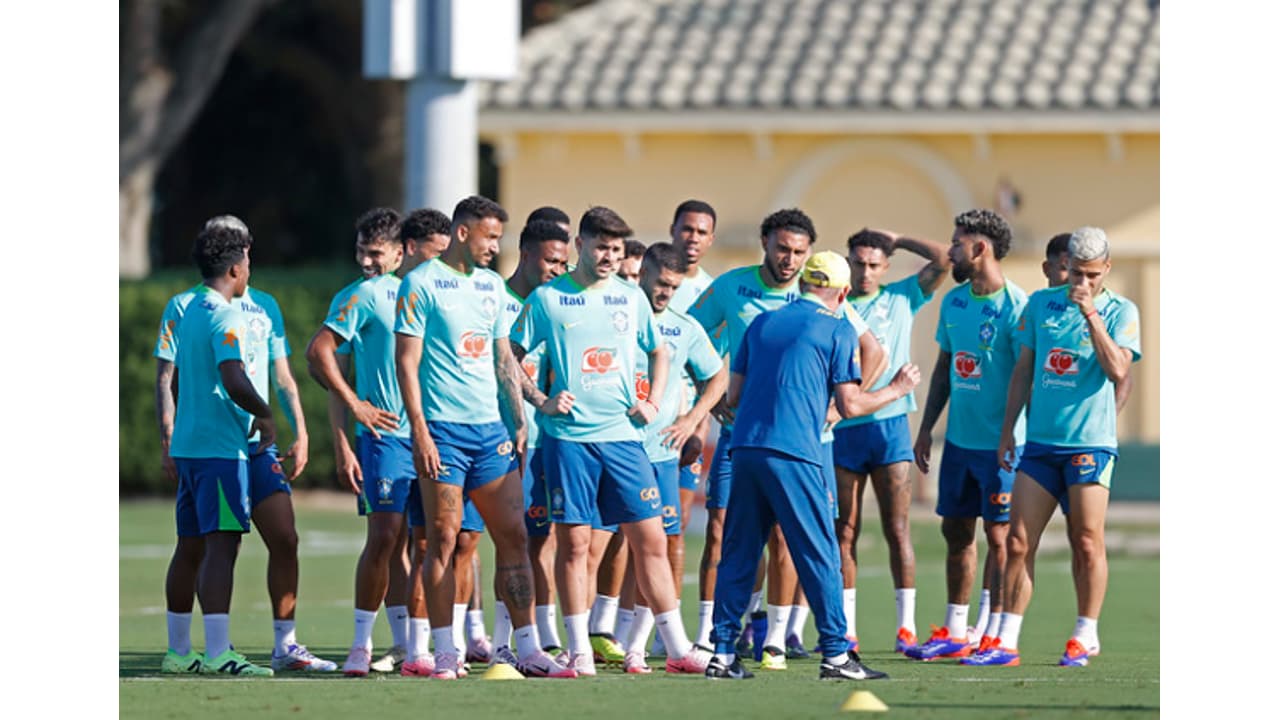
x=266, y=353
x=877, y=447
x=692, y=231
x=461, y=384
x=633, y=253
x=590, y=323
x=218, y=407
x=544, y=255
x=1057, y=269
x=725, y=309
x=363, y=315
x=1076, y=342
x=662, y=272
x=976, y=355
x=796, y=359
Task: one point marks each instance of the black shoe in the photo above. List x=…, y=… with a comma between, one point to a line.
x=717, y=670
x=851, y=669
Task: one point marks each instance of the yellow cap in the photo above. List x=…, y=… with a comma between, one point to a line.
x=826, y=269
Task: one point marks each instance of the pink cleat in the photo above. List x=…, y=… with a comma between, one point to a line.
x=357, y=664
x=694, y=662
x=634, y=663
x=423, y=666
x=542, y=665
x=447, y=665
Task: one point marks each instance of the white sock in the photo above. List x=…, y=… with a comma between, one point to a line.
x=526, y=641
x=641, y=626
x=779, y=617
x=905, y=599
x=840, y=659
x=364, y=629
x=705, y=610
x=622, y=628
x=957, y=620
x=179, y=632
x=757, y=600
x=459, y=626
x=851, y=612
x=284, y=632
x=984, y=610
x=217, y=635
x=993, y=625
x=604, y=614
x=398, y=620
x=475, y=624
x=443, y=639
x=1010, y=627
x=671, y=625
x=501, y=625
x=1086, y=631
x=726, y=658
x=418, y=642
x=799, y=616
x=575, y=627
x=548, y=634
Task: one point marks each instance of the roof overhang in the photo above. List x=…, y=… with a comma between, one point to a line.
x=818, y=122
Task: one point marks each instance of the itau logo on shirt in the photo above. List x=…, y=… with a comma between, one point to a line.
x=1061, y=362
x=968, y=365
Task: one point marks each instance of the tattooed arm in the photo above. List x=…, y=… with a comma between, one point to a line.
x=287, y=393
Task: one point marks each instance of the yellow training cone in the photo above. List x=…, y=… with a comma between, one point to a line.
x=502, y=671
x=863, y=701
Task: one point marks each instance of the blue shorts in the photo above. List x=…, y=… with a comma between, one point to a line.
x=690, y=475
x=971, y=483
x=721, y=473
x=614, y=479
x=668, y=475
x=213, y=496
x=829, y=474
x=266, y=475
x=861, y=448
x=389, y=475
x=537, y=521
x=473, y=456
x=1058, y=468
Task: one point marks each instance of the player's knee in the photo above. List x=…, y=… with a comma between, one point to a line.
x=1017, y=546
x=898, y=533
x=188, y=552
x=959, y=535
x=1087, y=544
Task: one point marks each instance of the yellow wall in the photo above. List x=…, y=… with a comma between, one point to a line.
x=911, y=184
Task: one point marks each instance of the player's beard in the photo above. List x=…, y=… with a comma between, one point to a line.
x=961, y=272
x=773, y=272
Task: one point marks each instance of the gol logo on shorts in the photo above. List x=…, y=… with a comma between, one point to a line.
x=505, y=448
x=1083, y=460
x=649, y=494
x=473, y=345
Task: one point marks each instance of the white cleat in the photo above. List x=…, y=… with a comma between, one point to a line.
x=387, y=663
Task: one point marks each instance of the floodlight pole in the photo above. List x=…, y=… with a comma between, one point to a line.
x=440, y=47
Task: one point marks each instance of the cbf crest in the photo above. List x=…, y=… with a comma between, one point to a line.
x=489, y=307
x=621, y=321
x=986, y=335
x=384, y=489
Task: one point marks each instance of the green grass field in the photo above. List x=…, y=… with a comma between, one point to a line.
x=1121, y=683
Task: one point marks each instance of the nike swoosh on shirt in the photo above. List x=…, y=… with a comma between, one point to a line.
x=566, y=326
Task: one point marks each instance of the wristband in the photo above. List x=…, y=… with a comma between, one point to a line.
x=1091, y=313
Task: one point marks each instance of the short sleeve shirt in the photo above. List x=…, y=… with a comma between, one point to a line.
x=207, y=422
x=363, y=314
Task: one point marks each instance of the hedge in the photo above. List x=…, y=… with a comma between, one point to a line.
x=303, y=294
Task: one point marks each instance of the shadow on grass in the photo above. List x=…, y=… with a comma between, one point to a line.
x=1028, y=708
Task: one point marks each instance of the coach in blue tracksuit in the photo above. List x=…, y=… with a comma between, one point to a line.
x=795, y=360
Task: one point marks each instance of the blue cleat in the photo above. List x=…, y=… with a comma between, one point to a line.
x=1076, y=654
x=940, y=645
x=995, y=656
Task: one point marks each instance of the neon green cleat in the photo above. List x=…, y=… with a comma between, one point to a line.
x=176, y=664
x=607, y=650
x=233, y=663
x=773, y=658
